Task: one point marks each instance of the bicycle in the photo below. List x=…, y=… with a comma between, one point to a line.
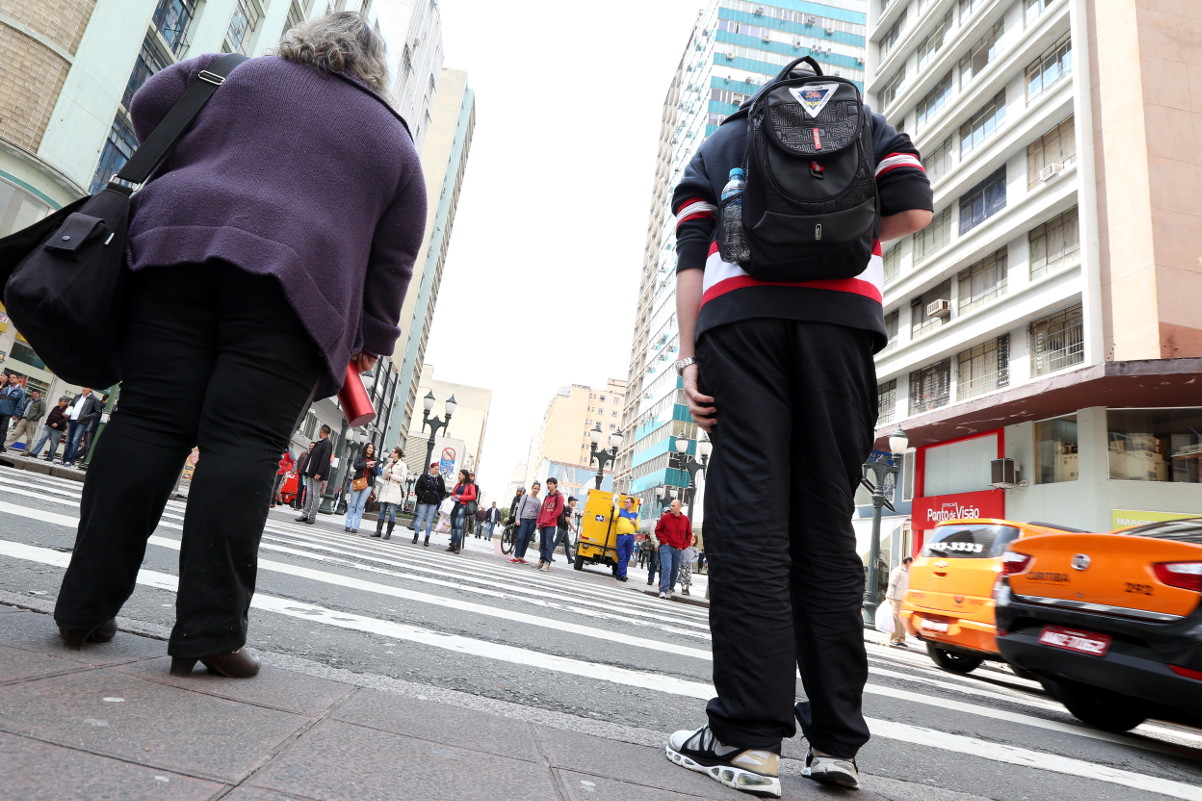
x=509, y=539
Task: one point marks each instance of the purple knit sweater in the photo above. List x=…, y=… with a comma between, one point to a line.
x=289, y=172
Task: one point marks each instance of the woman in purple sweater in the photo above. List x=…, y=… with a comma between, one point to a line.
x=273, y=244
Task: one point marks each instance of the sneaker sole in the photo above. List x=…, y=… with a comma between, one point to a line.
x=736, y=778
x=835, y=777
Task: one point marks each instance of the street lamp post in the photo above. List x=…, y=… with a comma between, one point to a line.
x=434, y=423
x=693, y=466
x=409, y=482
x=664, y=496
x=882, y=467
x=603, y=456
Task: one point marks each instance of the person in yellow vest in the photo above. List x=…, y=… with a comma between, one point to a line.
x=627, y=524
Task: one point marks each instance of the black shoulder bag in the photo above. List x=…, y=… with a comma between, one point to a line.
x=63, y=276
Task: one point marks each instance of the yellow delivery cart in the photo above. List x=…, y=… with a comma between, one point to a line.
x=598, y=539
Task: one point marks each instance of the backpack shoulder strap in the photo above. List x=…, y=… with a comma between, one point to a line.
x=164, y=136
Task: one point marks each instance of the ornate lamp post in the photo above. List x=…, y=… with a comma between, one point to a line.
x=434, y=423
x=409, y=482
x=882, y=467
x=603, y=456
x=664, y=496
x=693, y=466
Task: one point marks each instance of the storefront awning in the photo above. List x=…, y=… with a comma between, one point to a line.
x=1132, y=384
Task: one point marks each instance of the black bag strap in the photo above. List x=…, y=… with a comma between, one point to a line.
x=784, y=74
x=148, y=155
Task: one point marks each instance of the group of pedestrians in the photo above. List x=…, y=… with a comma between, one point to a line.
x=74, y=421
x=551, y=517
x=670, y=551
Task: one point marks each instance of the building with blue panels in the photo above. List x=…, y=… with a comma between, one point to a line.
x=734, y=47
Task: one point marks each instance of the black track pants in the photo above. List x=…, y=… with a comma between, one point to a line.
x=796, y=405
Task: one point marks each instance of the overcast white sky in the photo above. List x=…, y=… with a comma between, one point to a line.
x=542, y=272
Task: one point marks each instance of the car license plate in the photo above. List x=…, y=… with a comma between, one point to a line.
x=935, y=625
x=1082, y=642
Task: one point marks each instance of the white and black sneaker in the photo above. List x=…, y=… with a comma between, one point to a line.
x=752, y=771
x=827, y=769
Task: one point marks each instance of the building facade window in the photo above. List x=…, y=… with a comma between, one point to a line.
x=983, y=201
x=981, y=126
x=1032, y=9
x=296, y=15
x=892, y=260
x=930, y=387
x=930, y=309
x=1047, y=70
x=1055, y=244
x=171, y=19
x=1056, y=450
x=242, y=24
x=935, y=99
x=983, y=368
x=886, y=401
x=981, y=54
x=934, y=237
x=967, y=7
x=119, y=146
x=1051, y=153
x=940, y=160
x=892, y=35
x=890, y=89
x=150, y=60
x=1155, y=444
x=982, y=282
x=1057, y=341
x=928, y=48
x=891, y=328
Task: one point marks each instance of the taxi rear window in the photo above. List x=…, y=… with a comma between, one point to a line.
x=1188, y=530
x=970, y=542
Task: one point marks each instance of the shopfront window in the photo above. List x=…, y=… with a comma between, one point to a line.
x=1056, y=450
x=1155, y=444
x=19, y=209
x=959, y=467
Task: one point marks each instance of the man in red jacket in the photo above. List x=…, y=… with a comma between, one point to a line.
x=548, y=522
x=673, y=532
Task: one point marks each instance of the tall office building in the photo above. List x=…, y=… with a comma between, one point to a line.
x=1045, y=340
x=444, y=162
x=734, y=47
x=564, y=437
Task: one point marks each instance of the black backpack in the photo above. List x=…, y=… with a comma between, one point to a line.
x=809, y=209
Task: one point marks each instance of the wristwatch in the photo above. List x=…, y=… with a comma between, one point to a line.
x=683, y=363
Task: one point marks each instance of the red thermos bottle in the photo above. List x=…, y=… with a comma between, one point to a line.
x=353, y=399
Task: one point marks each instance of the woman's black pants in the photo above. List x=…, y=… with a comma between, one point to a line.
x=213, y=357
x=796, y=405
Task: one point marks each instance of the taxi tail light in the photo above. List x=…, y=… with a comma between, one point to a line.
x=1014, y=562
x=1186, y=575
x=1186, y=672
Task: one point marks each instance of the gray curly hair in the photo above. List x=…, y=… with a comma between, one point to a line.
x=338, y=42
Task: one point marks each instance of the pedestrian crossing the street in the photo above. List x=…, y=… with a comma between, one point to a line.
x=516, y=624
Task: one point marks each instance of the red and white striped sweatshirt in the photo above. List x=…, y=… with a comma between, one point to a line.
x=731, y=295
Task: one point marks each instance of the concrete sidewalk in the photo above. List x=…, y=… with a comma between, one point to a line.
x=109, y=722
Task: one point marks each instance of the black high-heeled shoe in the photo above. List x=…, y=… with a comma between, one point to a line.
x=75, y=638
x=240, y=664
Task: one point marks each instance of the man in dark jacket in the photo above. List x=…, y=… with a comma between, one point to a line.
x=86, y=409
x=27, y=421
x=12, y=399
x=782, y=374
x=298, y=502
x=56, y=426
x=430, y=490
x=317, y=470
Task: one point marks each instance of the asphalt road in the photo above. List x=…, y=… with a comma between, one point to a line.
x=582, y=644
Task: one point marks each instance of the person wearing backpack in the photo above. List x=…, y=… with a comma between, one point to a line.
x=779, y=306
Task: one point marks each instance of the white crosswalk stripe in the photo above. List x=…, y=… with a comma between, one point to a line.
x=524, y=597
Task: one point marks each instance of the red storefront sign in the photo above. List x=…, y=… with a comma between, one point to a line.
x=926, y=512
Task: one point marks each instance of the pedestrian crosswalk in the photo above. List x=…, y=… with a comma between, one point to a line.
x=585, y=626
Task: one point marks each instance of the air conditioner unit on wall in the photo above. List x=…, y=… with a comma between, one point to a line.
x=1048, y=171
x=1003, y=474
x=939, y=308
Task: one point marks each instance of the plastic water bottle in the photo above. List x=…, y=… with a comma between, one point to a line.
x=732, y=244
x=734, y=186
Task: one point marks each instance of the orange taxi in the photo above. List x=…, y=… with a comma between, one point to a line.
x=949, y=604
x=1110, y=624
